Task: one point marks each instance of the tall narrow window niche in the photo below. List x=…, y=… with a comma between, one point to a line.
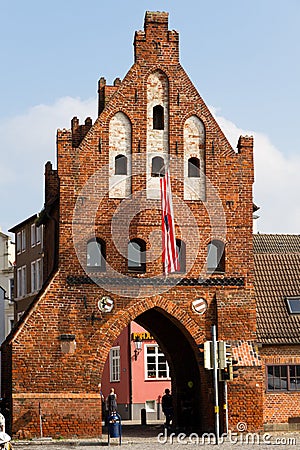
x=119, y=156
x=157, y=167
x=194, y=159
x=158, y=117
x=194, y=168
x=157, y=130
x=95, y=255
x=136, y=256
x=181, y=255
x=216, y=257
x=120, y=165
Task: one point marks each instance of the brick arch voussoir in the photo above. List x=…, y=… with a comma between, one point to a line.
x=103, y=339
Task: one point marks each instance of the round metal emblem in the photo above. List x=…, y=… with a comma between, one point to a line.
x=199, y=306
x=105, y=304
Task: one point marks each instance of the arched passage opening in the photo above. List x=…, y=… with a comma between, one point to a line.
x=185, y=367
x=190, y=383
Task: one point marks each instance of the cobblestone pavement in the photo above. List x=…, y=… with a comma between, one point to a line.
x=154, y=438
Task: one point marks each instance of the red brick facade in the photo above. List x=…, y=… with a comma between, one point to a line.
x=281, y=409
x=65, y=385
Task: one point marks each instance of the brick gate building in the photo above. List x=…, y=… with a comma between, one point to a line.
x=104, y=199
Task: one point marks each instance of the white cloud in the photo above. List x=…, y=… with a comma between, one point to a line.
x=277, y=181
x=29, y=140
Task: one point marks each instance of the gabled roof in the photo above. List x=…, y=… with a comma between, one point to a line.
x=276, y=243
x=22, y=224
x=277, y=276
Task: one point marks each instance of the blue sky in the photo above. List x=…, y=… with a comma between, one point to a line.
x=242, y=56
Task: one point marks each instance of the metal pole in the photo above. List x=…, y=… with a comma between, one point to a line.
x=215, y=377
x=41, y=421
x=226, y=406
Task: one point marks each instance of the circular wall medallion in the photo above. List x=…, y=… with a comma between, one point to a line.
x=199, y=305
x=105, y=304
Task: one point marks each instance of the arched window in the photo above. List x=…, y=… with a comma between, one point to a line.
x=158, y=117
x=120, y=165
x=95, y=255
x=137, y=255
x=157, y=167
x=193, y=168
x=216, y=256
x=181, y=254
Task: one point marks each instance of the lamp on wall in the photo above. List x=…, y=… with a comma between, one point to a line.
x=138, y=346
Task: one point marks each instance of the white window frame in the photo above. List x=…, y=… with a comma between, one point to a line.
x=36, y=275
x=21, y=281
x=33, y=235
x=150, y=406
x=33, y=276
x=156, y=355
x=39, y=273
x=23, y=240
x=11, y=284
x=39, y=234
x=19, y=242
x=114, y=364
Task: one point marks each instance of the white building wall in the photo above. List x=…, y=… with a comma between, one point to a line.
x=7, y=258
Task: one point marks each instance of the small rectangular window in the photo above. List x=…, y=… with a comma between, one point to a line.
x=24, y=281
x=39, y=234
x=23, y=240
x=293, y=304
x=11, y=288
x=33, y=277
x=21, y=281
x=19, y=242
x=156, y=363
x=283, y=378
x=33, y=235
x=150, y=405
x=114, y=364
x=39, y=273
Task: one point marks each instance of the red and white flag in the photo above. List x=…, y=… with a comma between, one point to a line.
x=169, y=252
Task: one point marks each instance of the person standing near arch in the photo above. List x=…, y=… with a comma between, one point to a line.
x=167, y=406
x=112, y=402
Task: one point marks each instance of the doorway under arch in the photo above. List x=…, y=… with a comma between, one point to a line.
x=185, y=367
x=191, y=383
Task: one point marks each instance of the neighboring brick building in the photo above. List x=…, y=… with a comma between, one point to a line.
x=104, y=196
x=277, y=289
x=36, y=247
x=29, y=263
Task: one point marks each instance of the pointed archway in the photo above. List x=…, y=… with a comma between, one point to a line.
x=177, y=333
x=185, y=367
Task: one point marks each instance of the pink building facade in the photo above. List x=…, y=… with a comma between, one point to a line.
x=139, y=376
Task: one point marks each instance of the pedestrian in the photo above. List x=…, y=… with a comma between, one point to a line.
x=103, y=405
x=167, y=406
x=5, y=441
x=112, y=402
